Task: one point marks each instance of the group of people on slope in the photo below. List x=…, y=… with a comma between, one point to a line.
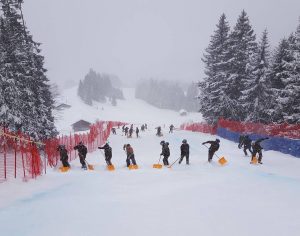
x=129, y=131
x=254, y=147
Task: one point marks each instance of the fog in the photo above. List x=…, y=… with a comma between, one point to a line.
x=137, y=39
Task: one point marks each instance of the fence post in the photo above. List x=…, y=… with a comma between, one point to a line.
x=15, y=158
x=4, y=138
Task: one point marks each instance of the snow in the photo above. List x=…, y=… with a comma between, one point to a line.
x=199, y=199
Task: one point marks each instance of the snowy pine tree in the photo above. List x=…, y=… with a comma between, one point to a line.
x=27, y=102
x=214, y=101
x=256, y=95
x=242, y=51
x=280, y=77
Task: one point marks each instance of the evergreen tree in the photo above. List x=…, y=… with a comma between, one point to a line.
x=27, y=102
x=241, y=56
x=214, y=102
x=256, y=95
x=280, y=76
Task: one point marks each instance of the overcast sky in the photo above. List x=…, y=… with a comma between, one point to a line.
x=142, y=38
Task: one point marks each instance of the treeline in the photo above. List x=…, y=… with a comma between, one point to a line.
x=26, y=102
x=167, y=95
x=98, y=87
x=245, y=81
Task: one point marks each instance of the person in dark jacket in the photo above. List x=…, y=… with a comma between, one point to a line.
x=241, y=139
x=113, y=130
x=130, y=131
x=126, y=131
x=137, y=132
x=63, y=155
x=142, y=128
x=130, y=154
x=247, y=144
x=214, y=146
x=165, y=152
x=257, y=148
x=107, y=153
x=171, y=128
x=158, y=133
x=82, y=151
x=185, y=151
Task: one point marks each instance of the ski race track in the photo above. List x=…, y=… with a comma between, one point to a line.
x=238, y=199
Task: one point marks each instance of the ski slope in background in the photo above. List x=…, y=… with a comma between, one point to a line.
x=130, y=110
x=199, y=199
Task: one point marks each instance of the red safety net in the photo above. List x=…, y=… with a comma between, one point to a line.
x=22, y=157
x=278, y=130
x=199, y=127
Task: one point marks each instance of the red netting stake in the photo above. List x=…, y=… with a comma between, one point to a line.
x=22, y=159
x=15, y=158
x=4, y=153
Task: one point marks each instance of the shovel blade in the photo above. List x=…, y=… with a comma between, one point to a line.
x=64, y=169
x=133, y=167
x=157, y=166
x=90, y=167
x=254, y=161
x=222, y=161
x=111, y=167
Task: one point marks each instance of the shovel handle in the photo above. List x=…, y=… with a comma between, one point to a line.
x=214, y=153
x=174, y=162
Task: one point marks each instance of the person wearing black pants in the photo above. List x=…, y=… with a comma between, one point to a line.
x=185, y=152
x=82, y=151
x=63, y=155
x=214, y=146
x=165, y=152
x=130, y=155
x=247, y=145
x=107, y=153
x=257, y=148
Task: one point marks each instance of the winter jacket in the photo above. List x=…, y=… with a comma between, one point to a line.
x=214, y=146
x=256, y=146
x=185, y=149
x=81, y=149
x=165, y=151
x=107, y=150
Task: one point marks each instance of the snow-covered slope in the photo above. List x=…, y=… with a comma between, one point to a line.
x=130, y=110
x=238, y=199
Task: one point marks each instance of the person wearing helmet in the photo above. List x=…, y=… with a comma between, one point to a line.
x=257, y=148
x=130, y=154
x=185, y=152
x=214, y=146
x=107, y=153
x=63, y=155
x=165, y=152
x=82, y=151
x=247, y=144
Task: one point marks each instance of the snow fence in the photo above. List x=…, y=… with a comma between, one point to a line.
x=22, y=157
x=284, y=138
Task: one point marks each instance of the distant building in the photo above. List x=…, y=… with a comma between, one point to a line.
x=62, y=106
x=81, y=125
x=183, y=112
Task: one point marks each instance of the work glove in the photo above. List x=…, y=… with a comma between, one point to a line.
x=203, y=143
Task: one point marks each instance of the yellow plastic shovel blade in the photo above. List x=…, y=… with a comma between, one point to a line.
x=111, y=167
x=222, y=161
x=90, y=167
x=64, y=169
x=157, y=166
x=133, y=167
x=254, y=160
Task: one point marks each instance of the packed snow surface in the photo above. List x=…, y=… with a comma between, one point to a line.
x=238, y=199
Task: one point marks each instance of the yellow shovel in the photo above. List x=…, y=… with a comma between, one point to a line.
x=254, y=160
x=133, y=167
x=64, y=169
x=111, y=167
x=158, y=166
x=90, y=167
x=222, y=161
